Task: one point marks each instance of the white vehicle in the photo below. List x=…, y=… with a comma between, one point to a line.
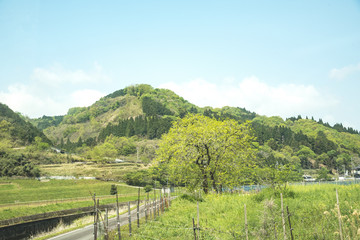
x=308, y=178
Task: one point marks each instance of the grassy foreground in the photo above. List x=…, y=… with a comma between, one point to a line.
x=313, y=209
x=26, y=197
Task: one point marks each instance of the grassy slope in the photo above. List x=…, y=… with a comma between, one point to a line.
x=313, y=216
x=130, y=106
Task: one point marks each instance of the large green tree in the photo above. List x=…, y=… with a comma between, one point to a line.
x=205, y=153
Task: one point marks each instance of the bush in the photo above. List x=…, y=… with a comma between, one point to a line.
x=15, y=164
x=139, y=178
x=191, y=198
x=113, y=189
x=268, y=193
x=148, y=188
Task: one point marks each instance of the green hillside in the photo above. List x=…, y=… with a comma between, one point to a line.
x=16, y=130
x=309, y=143
x=19, y=143
x=128, y=122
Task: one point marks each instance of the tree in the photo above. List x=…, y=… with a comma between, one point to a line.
x=202, y=152
x=278, y=176
x=113, y=189
x=305, y=154
x=323, y=174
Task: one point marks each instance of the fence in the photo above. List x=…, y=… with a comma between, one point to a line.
x=151, y=209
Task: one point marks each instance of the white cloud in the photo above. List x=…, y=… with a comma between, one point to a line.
x=342, y=73
x=85, y=97
x=56, y=75
x=53, y=91
x=20, y=98
x=284, y=100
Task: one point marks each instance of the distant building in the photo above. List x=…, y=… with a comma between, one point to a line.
x=356, y=171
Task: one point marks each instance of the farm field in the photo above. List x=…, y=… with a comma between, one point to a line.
x=313, y=215
x=103, y=171
x=23, y=197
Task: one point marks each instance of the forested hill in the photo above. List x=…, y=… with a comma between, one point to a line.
x=16, y=130
x=308, y=143
x=136, y=110
x=146, y=113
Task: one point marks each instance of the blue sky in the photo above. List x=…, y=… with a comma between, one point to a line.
x=277, y=58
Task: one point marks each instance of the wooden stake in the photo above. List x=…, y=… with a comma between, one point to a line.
x=118, y=216
x=106, y=224
x=291, y=234
x=160, y=202
x=194, y=229
x=129, y=216
x=95, y=218
x=198, y=219
x=339, y=214
x=138, y=206
x=154, y=209
x=246, y=223
x=97, y=213
x=154, y=202
x=170, y=196
x=145, y=210
x=282, y=216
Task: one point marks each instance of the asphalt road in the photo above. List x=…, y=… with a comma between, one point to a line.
x=87, y=233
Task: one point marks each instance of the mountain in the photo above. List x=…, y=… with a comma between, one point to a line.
x=140, y=103
x=16, y=130
x=129, y=122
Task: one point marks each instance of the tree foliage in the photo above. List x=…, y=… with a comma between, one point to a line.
x=205, y=153
x=16, y=129
x=16, y=164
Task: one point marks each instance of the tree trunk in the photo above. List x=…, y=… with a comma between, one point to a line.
x=205, y=183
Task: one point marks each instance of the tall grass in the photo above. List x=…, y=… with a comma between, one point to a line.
x=313, y=215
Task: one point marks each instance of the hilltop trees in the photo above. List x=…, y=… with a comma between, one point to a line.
x=205, y=153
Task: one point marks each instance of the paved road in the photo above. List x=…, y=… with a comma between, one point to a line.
x=87, y=233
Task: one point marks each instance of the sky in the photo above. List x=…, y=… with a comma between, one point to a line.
x=275, y=58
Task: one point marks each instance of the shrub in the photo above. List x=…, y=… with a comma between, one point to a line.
x=148, y=188
x=113, y=189
x=191, y=198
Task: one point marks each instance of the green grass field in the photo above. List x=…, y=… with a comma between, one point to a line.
x=26, y=197
x=313, y=212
